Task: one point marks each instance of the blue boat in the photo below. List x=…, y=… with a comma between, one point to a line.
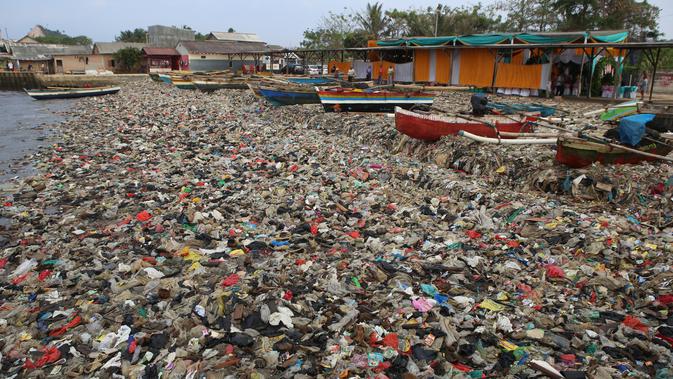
x=289, y=96
x=311, y=81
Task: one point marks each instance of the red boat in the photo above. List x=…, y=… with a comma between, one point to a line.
x=576, y=152
x=429, y=127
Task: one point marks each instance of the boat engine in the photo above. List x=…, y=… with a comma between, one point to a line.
x=479, y=103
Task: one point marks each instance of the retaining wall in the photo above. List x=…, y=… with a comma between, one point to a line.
x=20, y=80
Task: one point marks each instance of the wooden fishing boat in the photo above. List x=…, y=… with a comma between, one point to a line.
x=620, y=110
x=576, y=152
x=208, y=85
x=69, y=93
x=278, y=95
x=182, y=82
x=165, y=78
x=310, y=81
x=356, y=100
x=254, y=88
x=431, y=127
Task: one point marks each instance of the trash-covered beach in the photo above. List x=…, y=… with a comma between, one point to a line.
x=186, y=234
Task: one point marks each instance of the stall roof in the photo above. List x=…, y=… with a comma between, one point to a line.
x=160, y=51
x=222, y=47
x=38, y=51
x=113, y=47
x=498, y=38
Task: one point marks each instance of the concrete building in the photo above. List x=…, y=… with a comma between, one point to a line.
x=161, y=59
x=103, y=53
x=218, y=55
x=233, y=36
x=167, y=36
x=66, y=59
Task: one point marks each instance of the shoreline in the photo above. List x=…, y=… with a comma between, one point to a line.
x=214, y=233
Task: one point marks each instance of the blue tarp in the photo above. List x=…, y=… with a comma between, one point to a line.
x=632, y=128
x=490, y=39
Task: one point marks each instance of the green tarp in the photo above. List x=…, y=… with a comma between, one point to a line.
x=484, y=39
x=431, y=41
x=540, y=38
x=492, y=39
x=616, y=37
x=397, y=42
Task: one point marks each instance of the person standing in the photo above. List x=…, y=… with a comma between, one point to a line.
x=10, y=66
x=334, y=71
x=369, y=73
x=391, y=75
x=559, y=85
x=643, y=86
x=380, y=77
x=351, y=74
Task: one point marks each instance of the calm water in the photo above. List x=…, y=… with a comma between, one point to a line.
x=25, y=125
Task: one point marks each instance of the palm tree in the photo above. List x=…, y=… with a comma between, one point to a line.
x=373, y=20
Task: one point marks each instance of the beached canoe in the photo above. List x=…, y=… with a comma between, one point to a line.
x=208, y=85
x=350, y=100
x=430, y=127
x=165, y=78
x=576, y=152
x=254, y=88
x=311, y=81
x=69, y=93
x=277, y=95
x=182, y=83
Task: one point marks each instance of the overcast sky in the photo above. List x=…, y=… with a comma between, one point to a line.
x=279, y=22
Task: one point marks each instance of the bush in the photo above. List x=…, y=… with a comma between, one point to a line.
x=129, y=59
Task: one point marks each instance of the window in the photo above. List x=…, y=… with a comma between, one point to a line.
x=112, y=63
x=203, y=57
x=86, y=60
x=231, y=64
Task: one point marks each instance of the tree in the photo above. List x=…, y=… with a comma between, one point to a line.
x=128, y=59
x=231, y=30
x=449, y=21
x=135, y=35
x=330, y=33
x=373, y=20
x=529, y=15
x=64, y=40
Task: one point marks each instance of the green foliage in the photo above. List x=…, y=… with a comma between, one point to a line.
x=373, y=21
x=63, y=39
x=128, y=59
x=231, y=30
x=200, y=37
x=640, y=18
x=136, y=35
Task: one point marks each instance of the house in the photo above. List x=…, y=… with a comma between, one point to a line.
x=167, y=36
x=161, y=59
x=49, y=58
x=103, y=53
x=27, y=39
x=233, y=36
x=219, y=55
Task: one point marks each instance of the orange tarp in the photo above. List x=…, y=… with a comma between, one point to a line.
x=476, y=67
x=443, y=66
x=518, y=75
x=342, y=67
x=379, y=64
x=422, y=65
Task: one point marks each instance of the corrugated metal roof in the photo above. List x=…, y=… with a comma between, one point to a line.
x=160, y=51
x=241, y=37
x=34, y=51
x=113, y=47
x=222, y=47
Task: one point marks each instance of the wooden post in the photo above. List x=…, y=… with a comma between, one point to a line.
x=322, y=62
x=495, y=70
x=591, y=73
x=579, y=91
x=620, y=68
x=654, y=72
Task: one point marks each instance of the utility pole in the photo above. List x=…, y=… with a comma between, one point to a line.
x=439, y=8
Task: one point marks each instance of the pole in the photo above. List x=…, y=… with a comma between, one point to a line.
x=620, y=68
x=654, y=73
x=436, y=19
x=579, y=91
x=591, y=74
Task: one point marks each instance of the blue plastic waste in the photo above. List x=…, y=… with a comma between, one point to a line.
x=632, y=128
